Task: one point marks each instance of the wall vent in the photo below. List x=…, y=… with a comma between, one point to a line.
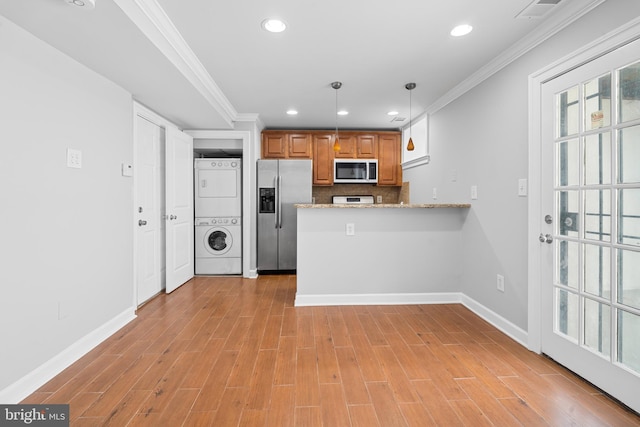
x=537, y=9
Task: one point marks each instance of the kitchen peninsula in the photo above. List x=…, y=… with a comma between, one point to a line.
x=379, y=253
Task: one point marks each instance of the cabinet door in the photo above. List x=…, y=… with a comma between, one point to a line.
x=367, y=147
x=323, y=159
x=389, y=172
x=274, y=145
x=300, y=146
x=347, y=146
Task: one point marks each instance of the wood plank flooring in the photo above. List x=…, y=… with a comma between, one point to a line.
x=227, y=351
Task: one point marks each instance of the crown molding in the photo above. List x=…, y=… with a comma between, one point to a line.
x=565, y=16
x=154, y=23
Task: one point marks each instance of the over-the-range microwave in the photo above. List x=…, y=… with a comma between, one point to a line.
x=363, y=171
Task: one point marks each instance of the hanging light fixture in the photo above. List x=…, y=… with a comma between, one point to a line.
x=336, y=144
x=410, y=87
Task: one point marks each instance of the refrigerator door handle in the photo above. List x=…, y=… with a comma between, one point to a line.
x=277, y=201
x=279, y=192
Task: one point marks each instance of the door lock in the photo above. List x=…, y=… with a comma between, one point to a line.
x=545, y=238
x=142, y=222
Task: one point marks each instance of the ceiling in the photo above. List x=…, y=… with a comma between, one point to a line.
x=206, y=64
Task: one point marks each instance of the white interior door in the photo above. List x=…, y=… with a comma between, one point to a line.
x=149, y=202
x=179, y=208
x=590, y=298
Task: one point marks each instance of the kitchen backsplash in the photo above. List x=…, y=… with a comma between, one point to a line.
x=324, y=194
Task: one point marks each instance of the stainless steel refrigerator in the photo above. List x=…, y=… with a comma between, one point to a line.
x=281, y=184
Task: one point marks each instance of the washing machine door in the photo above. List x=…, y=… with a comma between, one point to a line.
x=218, y=241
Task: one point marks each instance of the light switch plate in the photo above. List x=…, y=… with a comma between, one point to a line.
x=74, y=158
x=378, y=199
x=522, y=187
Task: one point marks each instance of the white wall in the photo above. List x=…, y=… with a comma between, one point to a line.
x=66, y=234
x=483, y=137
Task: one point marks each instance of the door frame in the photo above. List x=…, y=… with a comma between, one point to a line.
x=249, y=215
x=621, y=36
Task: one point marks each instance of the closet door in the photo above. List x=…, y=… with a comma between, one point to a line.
x=179, y=208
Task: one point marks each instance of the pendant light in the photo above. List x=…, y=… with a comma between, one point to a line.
x=410, y=87
x=336, y=144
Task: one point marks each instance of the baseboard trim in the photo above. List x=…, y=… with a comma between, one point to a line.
x=376, y=299
x=513, y=331
x=26, y=385
x=488, y=315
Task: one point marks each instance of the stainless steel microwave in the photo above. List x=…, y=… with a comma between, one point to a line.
x=350, y=171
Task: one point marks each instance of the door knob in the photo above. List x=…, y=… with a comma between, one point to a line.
x=172, y=217
x=142, y=222
x=545, y=238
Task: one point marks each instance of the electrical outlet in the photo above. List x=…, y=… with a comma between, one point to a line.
x=350, y=229
x=378, y=199
x=474, y=192
x=454, y=175
x=500, y=283
x=434, y=195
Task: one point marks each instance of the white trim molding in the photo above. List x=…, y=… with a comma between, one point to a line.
x=609, y=42
x=39, y=376
x=563, y=17
x=154, y=23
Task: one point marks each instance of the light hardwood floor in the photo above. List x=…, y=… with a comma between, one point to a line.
x=227, y=351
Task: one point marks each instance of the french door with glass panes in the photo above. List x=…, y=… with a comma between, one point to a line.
x=591, y=246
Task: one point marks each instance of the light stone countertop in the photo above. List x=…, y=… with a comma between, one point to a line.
x=384, y=205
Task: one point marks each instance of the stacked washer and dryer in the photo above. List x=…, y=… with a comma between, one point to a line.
x=218, y=214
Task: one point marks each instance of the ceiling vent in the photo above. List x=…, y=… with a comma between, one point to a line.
x=398, y=119
x=538, y=8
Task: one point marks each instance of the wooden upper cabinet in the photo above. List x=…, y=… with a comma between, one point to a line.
x=323, y=159
x=274, y=145
x=367, y=147
x=300, y=146
x=389, y=169
x=357, y=146
x=348, y=147
x=318, y=145
x=286, y=145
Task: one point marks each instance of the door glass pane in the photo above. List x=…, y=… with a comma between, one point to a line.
x=597, y=102
x=629, y=155
x=597, y=159
x=597, y=215
x=568, y=206
x=597, y=326
x=629, y=89
x=597, y=270
x=567, y=313
x=628, y=342
x=629, y=278
x=568, y=265
x=568, y=113
x=568, y=157
x=629, y=216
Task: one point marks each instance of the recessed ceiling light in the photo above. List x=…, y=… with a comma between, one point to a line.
x=392, y=113
x=292, y=112
x=461, y=30
x=343, y=113
x=274, y=25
